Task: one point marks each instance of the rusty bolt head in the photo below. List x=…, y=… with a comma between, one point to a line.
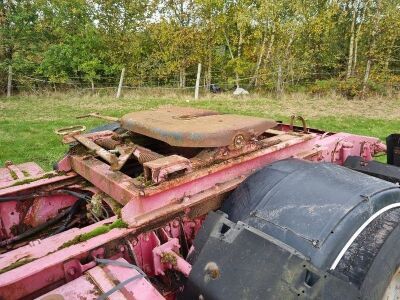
x=238, y=141
x=212, y=270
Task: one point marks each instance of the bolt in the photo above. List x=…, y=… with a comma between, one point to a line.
x=121, y=248
x=191, y=224
x=175, y=223
x=71, y=271
x=34, y=242
x=141, y=193
x=239, y=141
x=186, y=199
x=167, y=228
x=212, y=270
x=134, y=242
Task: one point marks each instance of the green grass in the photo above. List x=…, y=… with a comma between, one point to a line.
x=27, y=123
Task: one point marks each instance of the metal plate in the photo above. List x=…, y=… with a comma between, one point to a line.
x=192, y=127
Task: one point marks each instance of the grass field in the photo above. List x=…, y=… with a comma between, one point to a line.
x=27, y=122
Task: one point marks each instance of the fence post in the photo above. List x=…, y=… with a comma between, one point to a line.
x=121, y=81
x=9, y=83
x=279, y=88
x=196, y=91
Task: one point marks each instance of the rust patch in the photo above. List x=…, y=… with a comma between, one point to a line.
x=192, y=127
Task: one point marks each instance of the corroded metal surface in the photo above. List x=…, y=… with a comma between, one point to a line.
x=114, y=183
x=192, y=127
x=158, y=170
x=10, y=173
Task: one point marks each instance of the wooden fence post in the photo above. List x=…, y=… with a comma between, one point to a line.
x=196, y=91
x=9, y=83
x=279, y=87
x=121, y=81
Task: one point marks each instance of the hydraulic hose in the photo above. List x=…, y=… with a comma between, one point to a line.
x=35, y=230
x=70, y=212
x=34, y=195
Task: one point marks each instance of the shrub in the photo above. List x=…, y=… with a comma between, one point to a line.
x=350, y=88
x=323, y=87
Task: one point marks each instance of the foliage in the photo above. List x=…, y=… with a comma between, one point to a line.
x=350, y=88
x=340, y=44
x=322, y=87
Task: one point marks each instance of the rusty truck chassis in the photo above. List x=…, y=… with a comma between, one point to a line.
x=152, y=217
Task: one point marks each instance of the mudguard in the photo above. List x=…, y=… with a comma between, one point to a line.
x=313, y=207
x=289, y=226
x=237, y=261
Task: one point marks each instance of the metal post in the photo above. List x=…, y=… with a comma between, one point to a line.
x=121, y=81
x=196, y=91
x=9, y=84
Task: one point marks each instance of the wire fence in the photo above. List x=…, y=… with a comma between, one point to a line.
x=217, y=82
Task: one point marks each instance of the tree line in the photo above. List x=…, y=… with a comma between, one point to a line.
x=349, y=45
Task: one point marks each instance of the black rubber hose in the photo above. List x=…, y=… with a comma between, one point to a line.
x=35, y=230
x=75, y=194
x=33, y=195
x=18, y=198
x=73, y=209
x=70, y=212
